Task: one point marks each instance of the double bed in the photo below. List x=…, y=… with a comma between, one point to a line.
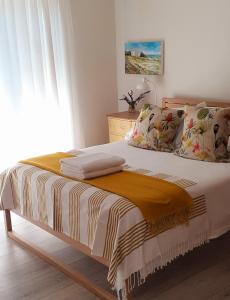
x=110, y=228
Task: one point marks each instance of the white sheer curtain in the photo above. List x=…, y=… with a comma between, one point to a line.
x=36, y=76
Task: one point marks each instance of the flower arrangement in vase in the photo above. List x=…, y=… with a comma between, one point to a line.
x=132, y=101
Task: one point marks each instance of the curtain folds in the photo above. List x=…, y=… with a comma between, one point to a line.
x=37, y=81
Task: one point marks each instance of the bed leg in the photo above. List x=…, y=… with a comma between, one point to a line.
x=8, y=223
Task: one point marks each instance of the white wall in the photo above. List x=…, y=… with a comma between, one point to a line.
x=197, y=45
x=94, y=25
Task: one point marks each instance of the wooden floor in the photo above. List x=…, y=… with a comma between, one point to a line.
x=202, y=274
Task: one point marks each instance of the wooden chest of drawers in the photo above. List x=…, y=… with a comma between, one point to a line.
x=120, y=124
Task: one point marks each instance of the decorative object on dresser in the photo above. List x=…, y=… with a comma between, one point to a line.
x=120, y=124
x=132, y=100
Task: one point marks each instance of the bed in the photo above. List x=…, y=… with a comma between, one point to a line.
x=110, y=228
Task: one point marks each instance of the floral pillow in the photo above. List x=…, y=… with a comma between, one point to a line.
x=156, y=128
x=177, y=140
x=205, y=134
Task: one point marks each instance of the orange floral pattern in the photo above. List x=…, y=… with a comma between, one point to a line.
x=156, y=128
x=205, y=134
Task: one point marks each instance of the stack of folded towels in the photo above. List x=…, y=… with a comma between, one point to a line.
x=88, y=166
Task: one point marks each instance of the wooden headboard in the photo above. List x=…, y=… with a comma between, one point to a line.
x=177, y=102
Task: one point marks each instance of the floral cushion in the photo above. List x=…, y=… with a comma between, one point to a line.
x=156, y=128
x=205, y=134
x=177, y=140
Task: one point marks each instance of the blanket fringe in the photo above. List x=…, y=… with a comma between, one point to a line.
x=177, y=218
x=138, y=278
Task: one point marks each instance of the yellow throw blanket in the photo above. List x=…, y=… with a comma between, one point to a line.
x=162, y=203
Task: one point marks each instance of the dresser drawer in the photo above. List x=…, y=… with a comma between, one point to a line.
x=119, y=127
x=120, y=124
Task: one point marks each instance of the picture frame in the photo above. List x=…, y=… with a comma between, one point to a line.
x=144, y=57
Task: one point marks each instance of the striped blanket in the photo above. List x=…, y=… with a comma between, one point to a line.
x=111, y=226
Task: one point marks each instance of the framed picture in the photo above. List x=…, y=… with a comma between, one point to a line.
x=144, y=57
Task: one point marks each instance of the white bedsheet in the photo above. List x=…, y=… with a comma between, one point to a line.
x=214, y=177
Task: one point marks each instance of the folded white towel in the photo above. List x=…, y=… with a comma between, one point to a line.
x=92, y=162
x=87, y=175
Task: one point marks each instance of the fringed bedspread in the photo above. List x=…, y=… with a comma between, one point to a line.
x=111, y=226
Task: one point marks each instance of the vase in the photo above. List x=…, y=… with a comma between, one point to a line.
x=131, y=109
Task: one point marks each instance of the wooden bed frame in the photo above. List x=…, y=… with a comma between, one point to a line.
x=178, y=102
x=77, y=276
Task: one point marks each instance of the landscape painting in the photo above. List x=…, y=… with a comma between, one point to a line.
x=145, y=58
